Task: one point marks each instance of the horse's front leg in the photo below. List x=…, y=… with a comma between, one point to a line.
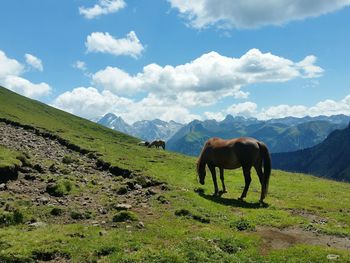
x=222, y=180
x=213, y=174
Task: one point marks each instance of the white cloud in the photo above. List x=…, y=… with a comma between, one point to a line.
x=89, y=102
x=9, y=66
x=252, y=13
x=103, y=7
x=81, y=65
x=117, y=81
x=26, y=88
x=281, y=111
x=246, y=109
x=105, y=43
x=92, y=104
x=34, y=62
x=208, y=78
x=327, y=107
x=10, y=77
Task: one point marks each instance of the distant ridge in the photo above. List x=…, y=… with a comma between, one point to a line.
x=330, y=159
x=281, y=135
x=146, y=130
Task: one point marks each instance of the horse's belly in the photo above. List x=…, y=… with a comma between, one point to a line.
x=232, y=165
x=228, y=162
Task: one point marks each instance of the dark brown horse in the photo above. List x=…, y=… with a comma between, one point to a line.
x=157, y=144
x=232, y=154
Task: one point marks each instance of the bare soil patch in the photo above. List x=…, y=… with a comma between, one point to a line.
x=274, y=238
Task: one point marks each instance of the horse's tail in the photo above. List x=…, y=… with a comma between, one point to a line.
x=265, y=155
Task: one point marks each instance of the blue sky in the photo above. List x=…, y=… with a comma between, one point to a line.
x=180, y=60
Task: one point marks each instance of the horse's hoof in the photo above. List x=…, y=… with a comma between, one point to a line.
x=263, y=204
x=216, y=194
x=240, y=199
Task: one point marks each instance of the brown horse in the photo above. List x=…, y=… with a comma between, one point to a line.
x=232, y=154
x=157, y=143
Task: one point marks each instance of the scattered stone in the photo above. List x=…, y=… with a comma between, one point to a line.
x=3, y=187
x=43, y=200
x=102, y=211
x=37, y=224
x=138, y=187
x=140, y=225
x=332, y=257
x=150, y=192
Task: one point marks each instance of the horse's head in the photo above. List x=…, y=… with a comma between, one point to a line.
x=201, y=172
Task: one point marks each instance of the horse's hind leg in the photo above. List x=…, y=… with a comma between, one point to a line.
x=258, y=169
x=222, y=180
x=213, y=174
x=248, y=179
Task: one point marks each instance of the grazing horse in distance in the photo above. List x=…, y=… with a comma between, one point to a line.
x=232, y=154
x=143, y=143
x=157, y=144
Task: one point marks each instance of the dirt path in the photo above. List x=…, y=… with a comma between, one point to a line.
x=274, y=238
x=96, y=191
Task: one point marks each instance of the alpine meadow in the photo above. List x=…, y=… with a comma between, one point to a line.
x=174, y=131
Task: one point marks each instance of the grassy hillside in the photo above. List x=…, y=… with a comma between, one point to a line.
x=181, y=223
x=331, y=158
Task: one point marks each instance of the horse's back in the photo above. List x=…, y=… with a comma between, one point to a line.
x=232, y=153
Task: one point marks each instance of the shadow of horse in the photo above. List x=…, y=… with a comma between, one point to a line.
x=230, y=201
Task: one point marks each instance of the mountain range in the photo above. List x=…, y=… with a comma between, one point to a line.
x=330, y=159
x=148, y=130
x=281, y=135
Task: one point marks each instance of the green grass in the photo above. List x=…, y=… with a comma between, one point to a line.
x=167, y=237
x=8, y=158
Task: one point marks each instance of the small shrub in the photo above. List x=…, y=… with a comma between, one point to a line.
x=242, y=224
x=56, y=211
x=229, y=246
x=49, y=254
x=186, y=213
x=60, y=188
x=38, y=168
x=124, y=216
x=11, y=218
x=77, y=215
x=182, y=212
x=24, y=160
x=67, y=159
x=122, y=190
x=201, y=219
x=105, y=251
x=18, y=217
